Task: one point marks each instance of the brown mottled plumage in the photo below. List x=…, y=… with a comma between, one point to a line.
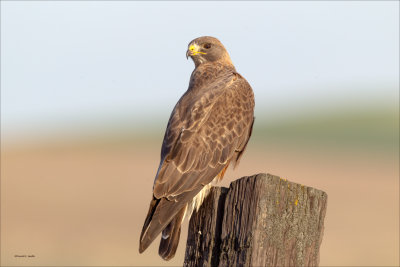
x=208, y=129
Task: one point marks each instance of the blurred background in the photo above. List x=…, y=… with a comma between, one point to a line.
x=87, y=89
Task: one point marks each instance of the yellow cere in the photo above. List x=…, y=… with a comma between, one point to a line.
x=192, y=47
x=195, y=49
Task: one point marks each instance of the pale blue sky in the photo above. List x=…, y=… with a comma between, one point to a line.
x=68, y=63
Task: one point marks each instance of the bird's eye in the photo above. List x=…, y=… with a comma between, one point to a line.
x=207, y=46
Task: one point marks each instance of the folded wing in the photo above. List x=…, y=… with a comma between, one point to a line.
x=203, y=135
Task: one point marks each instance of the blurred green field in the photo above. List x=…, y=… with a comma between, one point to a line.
x=376, y=129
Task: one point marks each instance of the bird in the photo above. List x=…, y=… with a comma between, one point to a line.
x=208, y=130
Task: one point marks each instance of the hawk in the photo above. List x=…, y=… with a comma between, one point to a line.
x=208, y=129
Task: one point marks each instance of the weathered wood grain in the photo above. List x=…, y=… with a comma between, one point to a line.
x=204, y=233
x=260, y=220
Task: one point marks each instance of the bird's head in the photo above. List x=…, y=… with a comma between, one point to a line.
x=207, y=49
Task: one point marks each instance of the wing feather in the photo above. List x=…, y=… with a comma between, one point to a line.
x=204, y=141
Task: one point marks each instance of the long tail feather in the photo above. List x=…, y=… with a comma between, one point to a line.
x=170, y=236
x=161, y=213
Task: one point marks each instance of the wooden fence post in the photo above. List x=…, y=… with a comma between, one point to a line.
x=260, y=220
